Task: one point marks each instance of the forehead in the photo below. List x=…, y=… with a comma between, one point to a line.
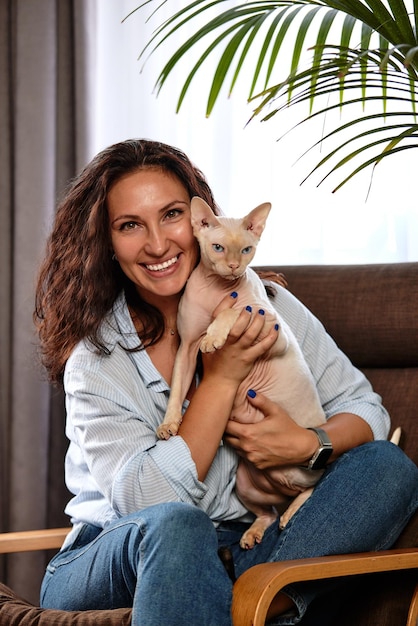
x=144, y=174
x=147, y=186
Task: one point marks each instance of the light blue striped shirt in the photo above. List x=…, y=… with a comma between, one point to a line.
x=115, y=464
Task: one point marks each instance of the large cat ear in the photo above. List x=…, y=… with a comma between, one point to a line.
x=202, y=215
x=256, y=220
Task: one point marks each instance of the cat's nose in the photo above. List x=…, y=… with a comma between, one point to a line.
x=233, y=266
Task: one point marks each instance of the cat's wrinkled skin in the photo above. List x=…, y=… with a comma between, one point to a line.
x=227, y=247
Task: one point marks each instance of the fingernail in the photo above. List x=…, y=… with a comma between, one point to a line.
x=234, y=294
x=276, y=327
x=251, y=393
x=261, y=311
x=249, y=308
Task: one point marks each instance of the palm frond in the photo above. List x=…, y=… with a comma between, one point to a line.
x=363, y=52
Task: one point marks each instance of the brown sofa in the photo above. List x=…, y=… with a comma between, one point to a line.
x=372, y=313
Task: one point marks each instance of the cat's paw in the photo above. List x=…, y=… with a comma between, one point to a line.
x=165, y=431
x=255, y=533
x=250, y=538
x=210, y=343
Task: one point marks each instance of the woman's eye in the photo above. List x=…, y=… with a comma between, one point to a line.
x=217, y=247
x=128, y=226
x=173, y=213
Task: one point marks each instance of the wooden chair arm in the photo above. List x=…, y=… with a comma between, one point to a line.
x=256, y=588
x=27, y=540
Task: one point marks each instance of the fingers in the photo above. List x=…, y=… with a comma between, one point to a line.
x=247, y=326
x=226, y=303
x=253, y=327
x=261, y=402
x=250, y=322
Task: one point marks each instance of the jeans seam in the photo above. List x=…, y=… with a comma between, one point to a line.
x=73, y=555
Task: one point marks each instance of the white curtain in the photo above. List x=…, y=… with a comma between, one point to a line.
x=247, y=165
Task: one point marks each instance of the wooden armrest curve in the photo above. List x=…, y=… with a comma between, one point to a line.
x=27, y=540
x=255, y=589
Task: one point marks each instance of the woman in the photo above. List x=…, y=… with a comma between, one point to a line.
x=149, y=516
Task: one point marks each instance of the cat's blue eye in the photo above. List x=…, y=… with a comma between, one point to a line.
x=217, y=247
x=246, y=250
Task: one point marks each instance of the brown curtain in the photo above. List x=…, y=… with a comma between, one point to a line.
x=46, y=54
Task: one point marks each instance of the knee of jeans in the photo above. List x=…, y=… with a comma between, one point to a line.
x=178, y=519
x=391, y=464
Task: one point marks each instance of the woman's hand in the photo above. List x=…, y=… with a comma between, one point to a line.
x=250, y=337
x=276, y=441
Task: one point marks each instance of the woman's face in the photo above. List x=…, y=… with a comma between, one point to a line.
x=151, y=233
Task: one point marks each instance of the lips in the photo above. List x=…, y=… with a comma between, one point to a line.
x=159, y=267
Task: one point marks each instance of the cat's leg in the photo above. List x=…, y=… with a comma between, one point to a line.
x=294, y=506
x=183, y=372
x=264, y=505
x=256, y=531
x=218, y=330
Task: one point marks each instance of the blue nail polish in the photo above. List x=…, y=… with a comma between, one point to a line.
x=249, y=308
x=251, y=393
x=276, y=327
x=261, y=311
x=234, y=294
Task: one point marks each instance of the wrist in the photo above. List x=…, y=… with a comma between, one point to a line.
x=310, y=445
x=324, y=450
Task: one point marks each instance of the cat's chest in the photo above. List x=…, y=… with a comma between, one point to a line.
x=204, y=293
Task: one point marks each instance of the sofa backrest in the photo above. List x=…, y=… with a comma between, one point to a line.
x=371, y=311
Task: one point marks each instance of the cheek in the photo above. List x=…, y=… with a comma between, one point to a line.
x=125, y=248
x=187, y=241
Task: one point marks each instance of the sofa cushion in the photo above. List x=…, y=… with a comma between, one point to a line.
x=370, y=310
x=15, y=611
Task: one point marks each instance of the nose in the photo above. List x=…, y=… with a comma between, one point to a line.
x=157, y=243
x=233, y=265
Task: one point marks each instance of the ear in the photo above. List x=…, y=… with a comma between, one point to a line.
x=256, y=220
x=202, y=215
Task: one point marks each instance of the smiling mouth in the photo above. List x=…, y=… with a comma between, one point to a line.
x=159, y=267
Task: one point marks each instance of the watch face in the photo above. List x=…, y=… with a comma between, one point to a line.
x=320, y=459
x=321, y=456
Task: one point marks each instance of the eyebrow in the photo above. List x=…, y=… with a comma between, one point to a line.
x=133, y=217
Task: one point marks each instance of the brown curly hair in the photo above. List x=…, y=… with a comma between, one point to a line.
x=78, y=281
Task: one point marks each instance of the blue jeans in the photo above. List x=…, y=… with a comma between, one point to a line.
x=163, y=560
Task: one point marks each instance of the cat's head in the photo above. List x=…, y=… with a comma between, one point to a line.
x=227, y=245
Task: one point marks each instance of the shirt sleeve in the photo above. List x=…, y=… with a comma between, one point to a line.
x=342, y=388
x=112, y=417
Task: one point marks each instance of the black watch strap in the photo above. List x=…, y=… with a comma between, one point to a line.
x=321, y=456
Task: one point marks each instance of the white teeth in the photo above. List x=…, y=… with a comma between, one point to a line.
x=162, y=266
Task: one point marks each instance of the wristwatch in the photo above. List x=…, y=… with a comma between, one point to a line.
x=321, y=456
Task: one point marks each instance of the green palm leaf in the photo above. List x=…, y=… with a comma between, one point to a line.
x=358, y=47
